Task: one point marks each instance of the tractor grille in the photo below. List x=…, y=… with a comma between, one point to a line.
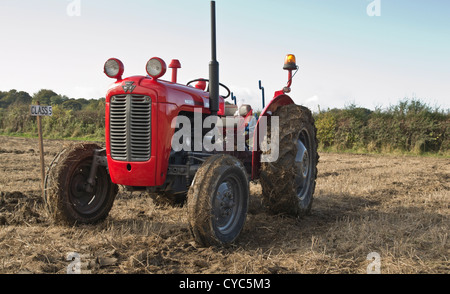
x=130, y=127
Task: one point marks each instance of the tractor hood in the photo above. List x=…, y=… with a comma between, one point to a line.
x=185, y=97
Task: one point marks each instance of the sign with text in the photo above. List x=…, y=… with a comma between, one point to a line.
x=38, y=110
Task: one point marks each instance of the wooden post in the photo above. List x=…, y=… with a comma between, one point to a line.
x=41, y=152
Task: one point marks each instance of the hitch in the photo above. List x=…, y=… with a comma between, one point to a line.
x=97, y=160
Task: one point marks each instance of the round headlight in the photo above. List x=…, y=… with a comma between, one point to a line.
x=156, y=67
x=114, y=68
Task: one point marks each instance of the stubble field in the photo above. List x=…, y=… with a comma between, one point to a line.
x=395, y=206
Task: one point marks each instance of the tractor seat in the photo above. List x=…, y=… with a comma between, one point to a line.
x=244, y=110
x=230, y=110
x=233, y=111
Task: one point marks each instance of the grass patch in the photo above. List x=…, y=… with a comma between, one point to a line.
x=395, y=152
x=34, y=136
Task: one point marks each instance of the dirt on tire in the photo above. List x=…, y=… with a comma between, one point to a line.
x=57, y=186
x=278, y=178
x=200, y=195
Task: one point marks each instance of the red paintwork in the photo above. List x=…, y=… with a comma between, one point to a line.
x=288, y=86
x=168, y=99
x=248, y=117
x=289, y=79
x=174, y=65
x=201, y=85
x=279, y=100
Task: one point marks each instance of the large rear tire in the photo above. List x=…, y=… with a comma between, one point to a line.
x=218, y=201
x=66, y=197
x=288, y=183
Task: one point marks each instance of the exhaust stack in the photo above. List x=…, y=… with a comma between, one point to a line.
x=213, y=66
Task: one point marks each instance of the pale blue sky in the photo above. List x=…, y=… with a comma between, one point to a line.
x=345, y=56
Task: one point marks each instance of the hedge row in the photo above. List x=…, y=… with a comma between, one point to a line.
x=410, y=126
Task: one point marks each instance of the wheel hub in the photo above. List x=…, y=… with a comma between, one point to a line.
x=226, y=206
x=301, y=159
x=302, y=165
x=82, y=200
x=225, y=195
x=78, y=187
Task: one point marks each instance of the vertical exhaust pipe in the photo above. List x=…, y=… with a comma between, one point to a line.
x=213, y=66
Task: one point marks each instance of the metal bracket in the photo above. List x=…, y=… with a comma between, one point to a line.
x=101, y=159
x=263, y=95
x=177, y=170
x=98, y=160
x=182, y=170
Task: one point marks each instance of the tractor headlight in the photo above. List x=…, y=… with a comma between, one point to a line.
x=114, y=68
x=156, y=67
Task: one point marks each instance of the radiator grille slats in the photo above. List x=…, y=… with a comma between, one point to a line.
x=130, y=127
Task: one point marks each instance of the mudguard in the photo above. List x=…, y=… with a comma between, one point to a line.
x=276, y=102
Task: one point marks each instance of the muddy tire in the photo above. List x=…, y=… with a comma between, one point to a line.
x=288, y=183
x=217, y=201
x=65, y=196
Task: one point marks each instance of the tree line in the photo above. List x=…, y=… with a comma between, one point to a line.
x=72, y=118
x=410, y=125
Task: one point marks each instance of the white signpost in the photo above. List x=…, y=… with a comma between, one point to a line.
x=38, y=111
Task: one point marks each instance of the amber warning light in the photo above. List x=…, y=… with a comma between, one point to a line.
x=290, y=62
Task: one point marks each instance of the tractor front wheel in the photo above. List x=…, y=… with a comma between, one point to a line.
x=218, y=201
x=67, y=196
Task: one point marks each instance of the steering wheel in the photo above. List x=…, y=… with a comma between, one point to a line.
x=206, y=80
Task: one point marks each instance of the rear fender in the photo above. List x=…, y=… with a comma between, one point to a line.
x=276, y=102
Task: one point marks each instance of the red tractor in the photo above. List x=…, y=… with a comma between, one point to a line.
x=144, y=115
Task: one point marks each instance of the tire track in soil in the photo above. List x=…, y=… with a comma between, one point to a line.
x=399, y=209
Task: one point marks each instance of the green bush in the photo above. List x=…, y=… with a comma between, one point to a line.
x=409, y=126
x=326, y=129
x=72, y=118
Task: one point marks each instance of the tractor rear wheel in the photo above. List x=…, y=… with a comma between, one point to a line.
x=66, y=196
x=218, y=201
x=288, y=183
